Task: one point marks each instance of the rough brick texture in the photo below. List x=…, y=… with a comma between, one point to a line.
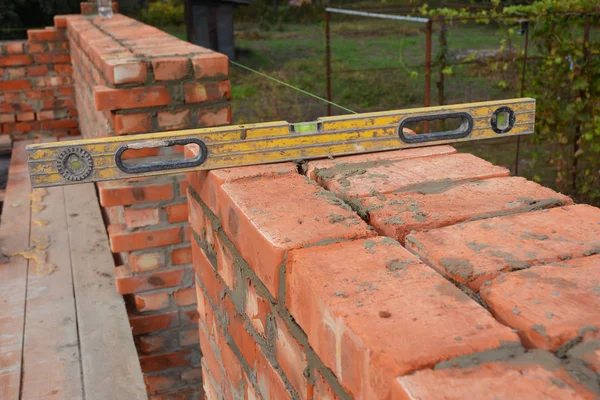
x=36, y=86
x=102, y=77
x=305, y=291
x=133, y=78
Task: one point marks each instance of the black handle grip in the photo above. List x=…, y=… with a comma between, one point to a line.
x=161, y=165
x=462, y=131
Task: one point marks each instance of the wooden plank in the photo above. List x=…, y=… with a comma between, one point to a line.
x=111, y=369
x=51, y=360
x=14, y=236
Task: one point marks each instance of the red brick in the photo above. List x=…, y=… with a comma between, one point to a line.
x=26, y=116
x=151, y=302
x=37, y=70
x=119, y=194
x=60, y=21
x=127, y=284
x=193, y=374
x=239, y=330
x=149, y=323
x=47, y=125
x=155, y=383
x=270, y=384
x=159, y=362
x=63, y=69
x=475, y=252
x=49, y=58
x=208, y=183
x=209, y=389
x=146, y=261
x=127, y=241
x=14, y=47
x=210, y=362
x=170, y=68
x=33, y=48
x=322, y=390
x=225, y=259
x=122, y=71
x=549, y=305
x=174, y=120
x=185, y=393
x=233, y=368
x=291, y=357
x=448, y=203
x=189, y=337
x=410, y=175
x=339, y=163
x=132, y=123
x=181, y=256
x=257, y=308
x=210, y=65
x=16, y=72
x=45, y=35
x=7, y=118
x=189, y=317
x=119, y=99
x=535, y=376
x=207, y=118
x=11, y=61
x=264, y=221
x=201, y=92
x=206, y=274
x=160, y=342
x=372, y=312
x=14, y=85
x=185, y=297
x=140, y=217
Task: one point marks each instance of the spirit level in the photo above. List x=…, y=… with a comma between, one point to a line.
x=101, y=159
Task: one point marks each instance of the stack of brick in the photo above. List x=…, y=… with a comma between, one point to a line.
x=36, y=86
x=305, y=290
x=133, y=78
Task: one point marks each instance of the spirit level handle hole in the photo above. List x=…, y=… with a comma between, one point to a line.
x=135, y=150
x=503, y=120
x=461, y=124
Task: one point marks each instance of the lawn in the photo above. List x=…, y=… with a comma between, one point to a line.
x=376, y=65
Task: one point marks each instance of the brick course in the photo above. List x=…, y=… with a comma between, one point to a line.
x=36, y=86
x=312, y=297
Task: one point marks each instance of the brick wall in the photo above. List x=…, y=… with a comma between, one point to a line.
x=401, y=275
x=36, y=86
x=133, y=78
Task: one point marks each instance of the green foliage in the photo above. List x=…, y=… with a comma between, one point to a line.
x=565, y=80
x=164, y=13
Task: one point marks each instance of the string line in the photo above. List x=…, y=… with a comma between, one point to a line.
x=291, y=86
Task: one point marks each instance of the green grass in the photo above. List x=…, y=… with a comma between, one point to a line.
x=376, y=65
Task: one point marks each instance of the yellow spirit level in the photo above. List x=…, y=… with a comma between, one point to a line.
x=101, y=159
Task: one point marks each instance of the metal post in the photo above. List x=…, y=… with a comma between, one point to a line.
x=443, y=45
x=523, y=69
x=328, y=62
x=429, y=30
x=586, y=58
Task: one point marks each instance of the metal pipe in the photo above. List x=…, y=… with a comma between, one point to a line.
x=328, y=62
x=586, y=58
x=523, y=69
x=427, y=102
x=376, y=15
